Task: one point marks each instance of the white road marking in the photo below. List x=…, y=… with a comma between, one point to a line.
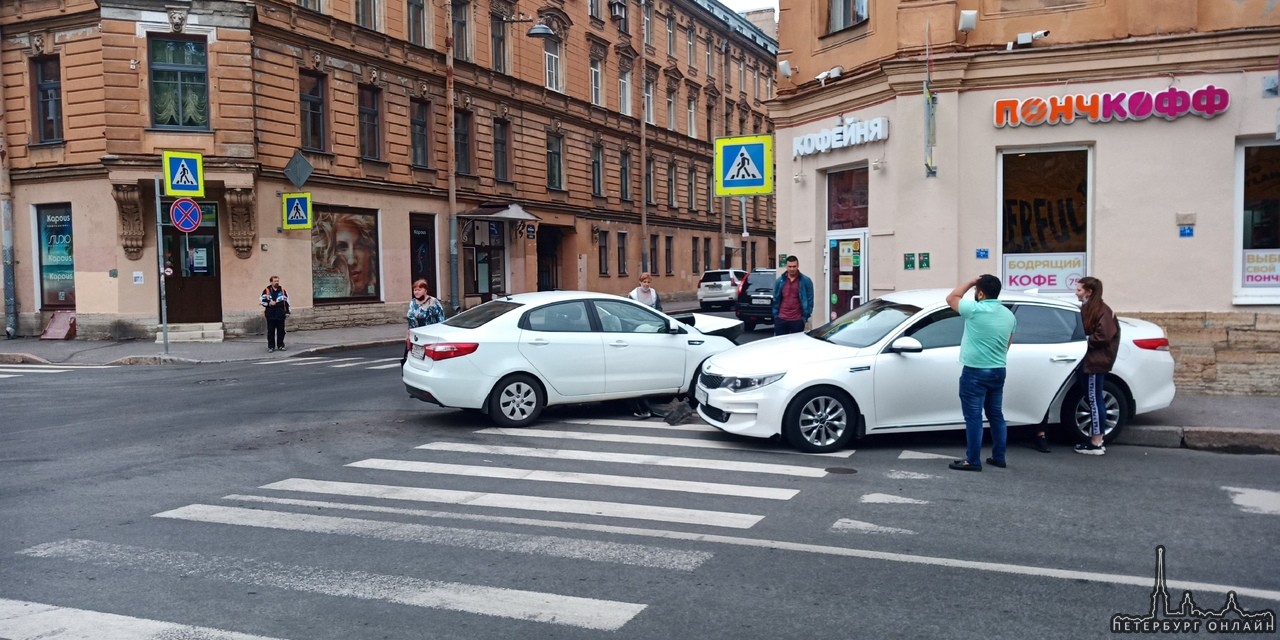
x=845, y=524
x=15, y=370
x=898, y=474
x=356, y=364
x=569, y=477
x=10, y=376
x=522, y=502
x=643, y=424
x=393, y=365
x=918, y=455
x=678, y=442
x=884, y=498
x=628, y=458
x=1255, y=500
x=592, y=550
x=1143, y=581
x=287, y=360
x=34, y=621
x=62, y=366
x=323, y=361
x=587, y=613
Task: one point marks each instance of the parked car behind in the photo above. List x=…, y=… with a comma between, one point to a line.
x=892, y=365
x=719, y=287
x=755, y=298
x=513, y=356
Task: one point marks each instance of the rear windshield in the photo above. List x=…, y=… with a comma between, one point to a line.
x=477, y=316
x=761, y=280
x=717, y=276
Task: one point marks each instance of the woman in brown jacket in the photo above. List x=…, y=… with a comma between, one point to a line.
x=1102, y=331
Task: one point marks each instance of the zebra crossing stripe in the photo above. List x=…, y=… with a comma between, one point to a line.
x=324, y=361
x=288, y=360
x=393, y=365
x=679, y=442
x=521, y=502
x=356, y=364
x=628, y=458
x=642, y=424
x=586, y=613
x=26, y=367
x=507, y=542
x=21, y=620
x=15, y=370
x=598, y=479
x=9, y=376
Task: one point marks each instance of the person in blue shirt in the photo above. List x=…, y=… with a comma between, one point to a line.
x=792, y=299
x=984, y=347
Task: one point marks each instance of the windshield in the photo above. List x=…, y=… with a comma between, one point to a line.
x=866, y=325
x=477, y=316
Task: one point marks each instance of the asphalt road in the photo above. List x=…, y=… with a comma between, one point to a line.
x=313, y=499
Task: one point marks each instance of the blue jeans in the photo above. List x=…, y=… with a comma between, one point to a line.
x=983, y=390
x=783, y=327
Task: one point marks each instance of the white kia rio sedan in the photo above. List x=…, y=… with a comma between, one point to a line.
x=892, y=365
x=514, y=356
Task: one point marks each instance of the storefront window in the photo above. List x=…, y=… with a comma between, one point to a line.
x=483, y=248
x=57, y=266
x=847, y=199
x=344, y=255
x=1045, y=220
x=1260, y=246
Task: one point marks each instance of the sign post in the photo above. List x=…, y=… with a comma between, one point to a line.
x=183, y=176
x=164, y=307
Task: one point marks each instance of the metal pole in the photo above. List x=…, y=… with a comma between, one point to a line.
x=644, y=160
x=6, y=224
x=455, y=302
x=164, y=306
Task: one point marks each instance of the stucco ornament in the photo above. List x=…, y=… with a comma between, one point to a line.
x=177, y=19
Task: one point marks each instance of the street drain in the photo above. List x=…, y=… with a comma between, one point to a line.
x=841, y=470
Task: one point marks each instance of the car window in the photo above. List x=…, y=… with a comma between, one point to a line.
x=716, y=276
x=477, y=316
x=623, y=317
x=563, y=316
x=1046, y=325
x=761, y=281
x=942, y=328
x=865, y=325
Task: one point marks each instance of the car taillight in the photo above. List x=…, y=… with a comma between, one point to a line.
x=1157, y=344
x=742, y=286
x=445, y=350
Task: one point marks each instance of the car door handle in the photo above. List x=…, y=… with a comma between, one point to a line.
x=619, y=343
x=539, y=342
x=1063, y=359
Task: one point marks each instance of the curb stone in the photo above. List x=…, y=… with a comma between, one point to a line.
x=21, y=358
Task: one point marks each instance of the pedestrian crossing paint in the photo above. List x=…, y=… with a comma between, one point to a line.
x=300, y=363
x=651, y=440
x=393, y=365
x=642, y=424
x=884, y=498
x=628, y=458
x=356, y=364
x=287, y=360
x=24, y=371
x=586, y=613
x=918, y=455
x=1255, y=500
x=333, y=363
x=521, y=502
x=21, y=620
x=897, y=474
x=857, y=526
x=26, y=367
x=555, y=546
x=569, y=477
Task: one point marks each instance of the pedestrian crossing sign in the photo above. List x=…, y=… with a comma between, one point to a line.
x=296, y=208
x=744, y=166
x=183, y=174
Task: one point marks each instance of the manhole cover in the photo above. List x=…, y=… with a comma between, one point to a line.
x=841, y=470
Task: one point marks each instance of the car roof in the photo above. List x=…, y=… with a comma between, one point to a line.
x=536, y=298
x=927, y=297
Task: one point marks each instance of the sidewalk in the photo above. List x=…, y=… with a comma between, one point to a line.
x=1233, y=424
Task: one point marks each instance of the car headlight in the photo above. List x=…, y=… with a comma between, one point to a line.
x=749, y=383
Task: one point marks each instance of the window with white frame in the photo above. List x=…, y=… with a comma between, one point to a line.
x=711, y=70
x=671, y=184
x=1258, y=225
x=498, y=42
x=179, y=84
x=671, y=110
x=551, y=54
x=597, y=82
x=691, y=187
x=420, y=132
x=593, y=8
x=648, y=22
x=691, y=44
x=742, y=75
x=648, y=101
x=755, y=84
x=843, y=14
x=367, y=13
x=419, y=33
x=624, y=175
x=313, y=5
x=461, y=28
x=671, y=35
x=597, y=169
x=624, y=89
x=693, y=117
x=555, y=161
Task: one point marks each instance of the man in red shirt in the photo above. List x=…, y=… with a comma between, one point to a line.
x=792, y=299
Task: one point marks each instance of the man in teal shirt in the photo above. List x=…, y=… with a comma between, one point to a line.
x=988, y=332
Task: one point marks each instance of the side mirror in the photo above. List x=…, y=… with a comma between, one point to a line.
x=674, y=327
x=906, y=344
x=686, y=318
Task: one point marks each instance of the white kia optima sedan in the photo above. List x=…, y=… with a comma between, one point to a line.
x=514, y=356
x=892, y=365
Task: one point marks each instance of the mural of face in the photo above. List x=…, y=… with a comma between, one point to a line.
x=355, y=251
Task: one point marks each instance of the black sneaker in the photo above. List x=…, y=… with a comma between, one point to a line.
x=270, y=349
x=997, y=463
x=281, y=347
x=1041, y=444
x=1090, y=449
x=642, y=415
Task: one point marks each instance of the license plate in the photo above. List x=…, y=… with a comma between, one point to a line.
x=700, y=395
x=761, y=301
x=417, y=351
x=713, y=286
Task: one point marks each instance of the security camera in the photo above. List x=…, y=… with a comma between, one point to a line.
x=785, y=68
x=1043, y=33
x=822, y=77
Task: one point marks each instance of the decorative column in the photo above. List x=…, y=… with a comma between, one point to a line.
x=132, y=231
x=243, y=223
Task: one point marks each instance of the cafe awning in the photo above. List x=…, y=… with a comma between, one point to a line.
x=499, y=211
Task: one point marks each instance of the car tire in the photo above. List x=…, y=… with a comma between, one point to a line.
x=516, y=401
x=820, y=420
x=1074, y=421
x=691, y=397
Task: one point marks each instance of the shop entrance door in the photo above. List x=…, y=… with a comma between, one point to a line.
x=194, y=291
x=846, y=259
x=549, y=238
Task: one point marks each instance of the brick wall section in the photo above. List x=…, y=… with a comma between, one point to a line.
x=1236, y=353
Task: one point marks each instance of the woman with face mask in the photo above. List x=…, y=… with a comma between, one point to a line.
x=423, y=310
x=645, y=293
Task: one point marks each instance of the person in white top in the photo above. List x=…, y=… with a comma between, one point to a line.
x=645, y=293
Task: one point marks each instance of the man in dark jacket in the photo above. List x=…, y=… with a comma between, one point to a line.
x=1102, y=331
x=792, y=299
x=275, y=305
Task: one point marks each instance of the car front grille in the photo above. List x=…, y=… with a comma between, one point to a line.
x=714, y=413
x=711, y=381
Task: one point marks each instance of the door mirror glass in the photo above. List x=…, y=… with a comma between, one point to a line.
x=906, y=344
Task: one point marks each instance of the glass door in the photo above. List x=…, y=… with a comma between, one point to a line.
x=846, y=257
